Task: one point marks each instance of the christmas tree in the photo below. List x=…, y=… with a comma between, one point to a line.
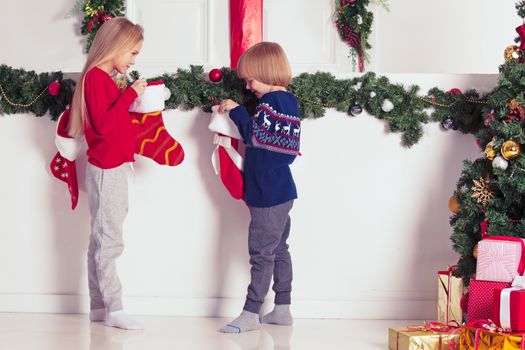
x=490, y=195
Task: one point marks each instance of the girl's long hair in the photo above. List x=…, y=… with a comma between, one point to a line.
x=113, y=37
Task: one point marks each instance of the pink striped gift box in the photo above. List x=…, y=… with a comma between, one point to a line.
x=500, y=258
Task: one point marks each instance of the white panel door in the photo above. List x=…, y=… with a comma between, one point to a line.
x=307, y=32
x=183, y=32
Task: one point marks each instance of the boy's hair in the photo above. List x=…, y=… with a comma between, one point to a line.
x=267, y=63
x=113, y=37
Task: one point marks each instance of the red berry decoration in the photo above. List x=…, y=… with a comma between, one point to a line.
x=215, y=75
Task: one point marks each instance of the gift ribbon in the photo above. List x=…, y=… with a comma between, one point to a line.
x=478, y=334
x=490, y=326
x=504, y=310
x=521, y=265
x=447, y=289
x=437, y=328
x=226, y=142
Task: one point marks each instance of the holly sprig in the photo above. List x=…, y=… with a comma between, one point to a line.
x=95, y=13
x=354, y=22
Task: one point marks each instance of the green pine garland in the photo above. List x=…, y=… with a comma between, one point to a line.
x=316, y=92
x=19, y=87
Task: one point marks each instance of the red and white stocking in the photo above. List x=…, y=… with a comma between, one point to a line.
x=226, y=159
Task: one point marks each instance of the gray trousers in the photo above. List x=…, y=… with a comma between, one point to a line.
x=269, y=255
x=107, y=191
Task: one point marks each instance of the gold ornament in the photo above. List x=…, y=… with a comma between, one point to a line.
x=490, y=152
x=481, y=191
x=512, y=52
x=475, y=251
x=513, y=104
x=453, y=204
x=510, y=149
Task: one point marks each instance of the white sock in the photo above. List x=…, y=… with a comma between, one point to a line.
x=247, y=321
x=121, y=319
x=97, y=315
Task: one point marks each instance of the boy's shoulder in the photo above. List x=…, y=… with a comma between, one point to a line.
x=281, y=103
x=283, y=96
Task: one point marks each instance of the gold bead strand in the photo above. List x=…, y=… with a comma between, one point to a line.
x=23, y=105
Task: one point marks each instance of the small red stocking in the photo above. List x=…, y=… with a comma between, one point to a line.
x=226, y=159
x=66, y=170
x=63, y=166
x=229, y=164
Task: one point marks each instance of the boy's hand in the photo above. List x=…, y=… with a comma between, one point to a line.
x=227, y=105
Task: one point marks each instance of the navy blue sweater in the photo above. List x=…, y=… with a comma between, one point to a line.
x=272, y=136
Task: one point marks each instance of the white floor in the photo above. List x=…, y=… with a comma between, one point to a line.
x=23, y=331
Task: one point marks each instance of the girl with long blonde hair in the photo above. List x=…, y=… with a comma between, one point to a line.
x=99, y=111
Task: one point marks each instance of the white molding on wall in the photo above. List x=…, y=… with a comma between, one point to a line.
x=225, y=307
x=152, y=57
x=328, y=52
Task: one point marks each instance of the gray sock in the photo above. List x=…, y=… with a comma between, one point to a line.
x=247, y=321
x=280, y=315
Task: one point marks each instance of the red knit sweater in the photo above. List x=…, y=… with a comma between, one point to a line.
x=109, y=132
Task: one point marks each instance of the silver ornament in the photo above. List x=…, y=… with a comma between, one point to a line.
x=387, y=106
x=500, y=163
x=372, y=94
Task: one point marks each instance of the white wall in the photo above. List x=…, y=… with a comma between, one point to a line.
x=369, y=230
x=444, y=36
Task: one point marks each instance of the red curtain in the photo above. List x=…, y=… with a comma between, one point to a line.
x=245, y=27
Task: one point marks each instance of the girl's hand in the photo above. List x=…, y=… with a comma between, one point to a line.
x=139, y=86
x=227, y=105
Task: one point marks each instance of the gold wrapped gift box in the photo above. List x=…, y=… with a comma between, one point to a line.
x=420, y=338
x=489, y=340
x=450, y=291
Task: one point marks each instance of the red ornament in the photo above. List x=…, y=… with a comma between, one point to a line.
x=454, y=91
x=215, y=75
x=54, y=88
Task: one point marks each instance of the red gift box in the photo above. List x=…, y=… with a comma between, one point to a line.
x=481, y=298
x=509, y=308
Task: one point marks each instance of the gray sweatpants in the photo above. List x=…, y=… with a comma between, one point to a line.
x=269, y=255
x=107, y=191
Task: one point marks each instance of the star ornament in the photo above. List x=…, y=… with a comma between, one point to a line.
x=481, y=191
